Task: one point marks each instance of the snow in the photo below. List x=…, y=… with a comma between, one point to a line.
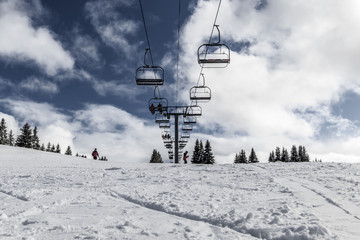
x=53, y=196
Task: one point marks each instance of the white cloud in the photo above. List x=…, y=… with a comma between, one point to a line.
x=301, y=57
x=117, y=134
x=35, y=84
x=113, y=28
x=25, y=43
x=85, y=50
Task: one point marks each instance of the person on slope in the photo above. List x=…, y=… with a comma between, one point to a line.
x=185, y=157
x=95, y=154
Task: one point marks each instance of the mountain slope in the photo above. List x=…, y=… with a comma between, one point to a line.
x=52, y=196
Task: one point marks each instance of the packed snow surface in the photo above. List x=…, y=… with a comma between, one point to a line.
x=52, y=196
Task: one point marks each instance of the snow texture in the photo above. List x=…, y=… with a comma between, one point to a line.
x=52, y=196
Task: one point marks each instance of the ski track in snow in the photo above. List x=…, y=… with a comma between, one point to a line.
x=50, y=196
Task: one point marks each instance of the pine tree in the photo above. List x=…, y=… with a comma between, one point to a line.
x=243, y=158
x=285, y=155
x=196, y=153
x=11, y=138
x=42, y=148
x=48, y=148
x=156, y=157
x=237, y=159
x=277, y=154
x=68, y=151
x=25, y=138
x=294, y=157
x=52, y=148
x=35, y=141
x=304, y=155
x=208, y=155
x=58, y=149
x=300, y=151
x=272, y=157
x=3, y=132
x=201, y=152
x=253, y=158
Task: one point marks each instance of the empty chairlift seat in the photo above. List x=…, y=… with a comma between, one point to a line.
x=200, y=92
x=214, y=55
x=149, y=75
x=194, y=111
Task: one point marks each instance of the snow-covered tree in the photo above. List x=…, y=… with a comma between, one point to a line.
x=58, y=149
x=25, y=137
x=3, y=132
x=252, y=157
x=35, y=139
x=156, y=157
x=52, y=148
x=11, y=138
x=68, y=151
x=208, y=155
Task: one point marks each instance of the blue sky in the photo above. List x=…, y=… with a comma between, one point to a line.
x=68, y=67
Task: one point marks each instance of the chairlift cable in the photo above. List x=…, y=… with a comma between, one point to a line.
x=178, y=54
x=212, y=31
x=146, y=32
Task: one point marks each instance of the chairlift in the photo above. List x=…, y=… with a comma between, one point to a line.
x=149, y=75
x=200, y=92
x=186, y=127
x=157, y=103
x=165, y=125
x=161, y=118
x=194, y=110
x=168, y=146
x=166, y=135
x=185, y=135
x=183, y=140
x=214, y=55
x=189, y=120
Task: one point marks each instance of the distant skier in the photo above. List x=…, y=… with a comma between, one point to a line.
x=95, y=154
x=185, y=157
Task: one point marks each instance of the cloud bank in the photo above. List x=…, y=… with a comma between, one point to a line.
x=290, y=61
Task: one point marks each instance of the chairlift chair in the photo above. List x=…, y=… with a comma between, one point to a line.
x=149, y=75
x=161, y=118
x=166, y=135
x=200, y=92
x=214, y=55
x=165, y=125
x=185, y=135
x=157, y=103
x=194, y=110
x=189, y=120
x=186, y=127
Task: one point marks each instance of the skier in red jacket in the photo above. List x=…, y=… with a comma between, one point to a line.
x=95, y=154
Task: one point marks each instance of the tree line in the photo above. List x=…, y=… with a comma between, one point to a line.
x=201, y=154
x=297, y=154
x=28, y=138
x=241, y=157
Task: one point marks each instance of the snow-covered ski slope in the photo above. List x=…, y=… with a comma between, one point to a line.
x=52, y=196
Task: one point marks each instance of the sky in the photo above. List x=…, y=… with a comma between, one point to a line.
x=68, y=67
